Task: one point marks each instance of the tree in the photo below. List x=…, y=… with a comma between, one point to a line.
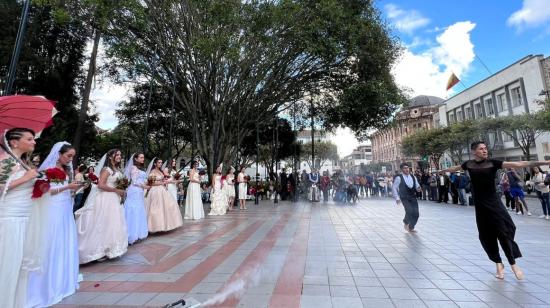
x=132, y=117
x=324, y=151
x=50, y=63
x=241, y=62
x=431, y=143
x=458, y=138
x=523, y=129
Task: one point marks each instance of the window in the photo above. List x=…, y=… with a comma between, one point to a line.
x=479, y=111
x=502, y=104
x=516, y=97
x=506, y=137
x=489, y=106
x=459, y=116
x=452, y=118
x=468, y=113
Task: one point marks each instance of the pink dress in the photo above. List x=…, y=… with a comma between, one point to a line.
x=163, y=212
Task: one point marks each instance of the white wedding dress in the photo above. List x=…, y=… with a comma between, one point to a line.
x=101, y=224
x=172, y=187
x=134, y=207
x=15, y=210
x=58, y=277
x=193, y=201
x=218, y=198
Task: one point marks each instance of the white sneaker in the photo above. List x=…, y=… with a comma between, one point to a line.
x=529, y=214
x=518, y=213
x=542, y=216
x=547, y=217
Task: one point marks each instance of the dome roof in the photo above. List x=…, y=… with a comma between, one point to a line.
x=425, y=100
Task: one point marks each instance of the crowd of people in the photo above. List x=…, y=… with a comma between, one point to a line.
x=54, y=217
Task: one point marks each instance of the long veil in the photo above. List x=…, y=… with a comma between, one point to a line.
x=128, y=168
x=36, y=240
x=150, y=166
x=89, y=204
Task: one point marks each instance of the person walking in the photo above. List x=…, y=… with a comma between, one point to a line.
x=516, y=190
x=494, y=224
x=542, y=191
x=405, y=188
x=462, y=182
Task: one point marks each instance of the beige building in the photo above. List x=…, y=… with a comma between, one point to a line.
x=418, y=115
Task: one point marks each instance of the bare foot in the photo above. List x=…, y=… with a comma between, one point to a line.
x=412, y=230
x=518, y=272
x=406, y=226
x=500, y=271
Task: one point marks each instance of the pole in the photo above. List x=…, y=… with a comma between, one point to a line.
x=172, y=116
x=312, y=139
x=277, y=161
x=294, y=158
x=12, y=72
x=257, y=160
x=146, y=139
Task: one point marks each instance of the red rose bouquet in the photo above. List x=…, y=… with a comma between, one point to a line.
x=122, y=183
x=52, y=175
x=177, y=176
x=92, y=178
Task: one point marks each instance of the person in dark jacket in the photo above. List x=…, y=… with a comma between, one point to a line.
x=443, y=187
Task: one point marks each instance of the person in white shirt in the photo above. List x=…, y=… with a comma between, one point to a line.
x=542, y=191
x=404, y=189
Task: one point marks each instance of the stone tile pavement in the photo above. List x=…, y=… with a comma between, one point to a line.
x=323, y=255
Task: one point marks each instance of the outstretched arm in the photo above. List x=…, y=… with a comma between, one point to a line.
x=524, y=164
x=452, y=169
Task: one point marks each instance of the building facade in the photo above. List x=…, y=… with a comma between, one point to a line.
x=420, y=114
x=360, y=156
x=514, y=90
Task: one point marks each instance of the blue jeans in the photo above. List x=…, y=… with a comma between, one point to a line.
x=545, y=202
x=462, y=195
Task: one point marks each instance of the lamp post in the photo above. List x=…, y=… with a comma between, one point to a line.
x=257, y=161
x=12, y=72
x=276, y=160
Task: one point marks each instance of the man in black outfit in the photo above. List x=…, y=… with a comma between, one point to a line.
x=405, y=188
x=443, y=187
x=494, y=224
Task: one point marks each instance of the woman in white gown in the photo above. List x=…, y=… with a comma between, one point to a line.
x=218, y=197
x=101, y=225
x=243, y=188
x=134, y=205
x=229, y=188
x=163, y=211
x=172, y=182
x=16, y=186
x=58, y=275
x=193, y=200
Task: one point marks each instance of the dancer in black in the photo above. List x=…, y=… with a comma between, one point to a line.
x=494, y=224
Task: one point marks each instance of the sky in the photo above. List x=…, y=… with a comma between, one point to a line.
x=472, y=39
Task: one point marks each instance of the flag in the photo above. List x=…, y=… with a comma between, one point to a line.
x=452, y=81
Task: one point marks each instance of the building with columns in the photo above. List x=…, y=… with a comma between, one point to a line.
x=419, y=114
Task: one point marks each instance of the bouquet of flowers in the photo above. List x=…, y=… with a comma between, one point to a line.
x=42, y=185
x=150, y=181
x=177, y=176
x=122, y=183
x=92, y=178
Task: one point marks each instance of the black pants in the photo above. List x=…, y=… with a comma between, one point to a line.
x=490, y=238
x=411, y=211
x=443, y=194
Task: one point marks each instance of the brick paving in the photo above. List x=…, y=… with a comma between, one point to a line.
x=323, y=255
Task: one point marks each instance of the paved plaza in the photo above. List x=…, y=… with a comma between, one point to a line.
x=323, y=255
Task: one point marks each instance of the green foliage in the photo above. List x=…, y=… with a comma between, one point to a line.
x=50, y=63
x=324, y=151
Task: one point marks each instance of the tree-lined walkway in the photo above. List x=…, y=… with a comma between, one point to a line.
x=316, y=255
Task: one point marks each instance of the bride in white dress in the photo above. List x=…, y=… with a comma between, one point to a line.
x=172, y=183
x=218, y=197
x=134, y=205
x=101, y=223
x=193, y=201
x=58, y=277
x=16, y=186
x=229, y=188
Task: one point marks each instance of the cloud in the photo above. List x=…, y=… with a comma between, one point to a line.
x=533, y=13
x=405, y=21
x=427, y=72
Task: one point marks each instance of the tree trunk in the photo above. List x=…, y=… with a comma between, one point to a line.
x=83, y=114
